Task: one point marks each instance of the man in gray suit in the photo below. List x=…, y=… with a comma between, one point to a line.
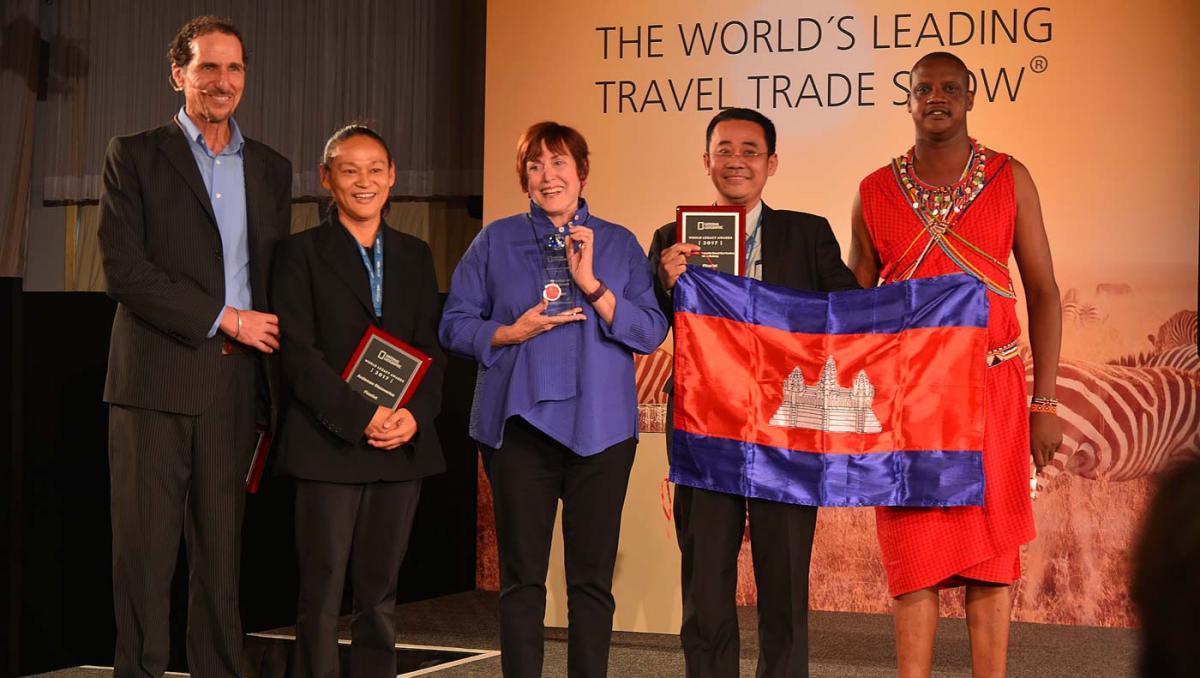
x=189, y=215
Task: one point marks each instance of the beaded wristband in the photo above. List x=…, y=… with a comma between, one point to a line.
x=1044, y=405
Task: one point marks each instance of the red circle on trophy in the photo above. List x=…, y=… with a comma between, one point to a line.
x=551, y=292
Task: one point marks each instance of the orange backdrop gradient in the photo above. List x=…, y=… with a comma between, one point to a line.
x=1105, y=119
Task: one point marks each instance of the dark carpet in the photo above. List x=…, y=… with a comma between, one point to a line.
x=842, y=645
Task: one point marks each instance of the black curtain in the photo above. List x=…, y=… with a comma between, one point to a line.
x=411, y=68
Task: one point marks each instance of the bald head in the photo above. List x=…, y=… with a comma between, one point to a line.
x=944, y=58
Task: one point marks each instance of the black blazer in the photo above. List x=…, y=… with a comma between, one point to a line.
x=322, y=295
x=162, y=260
x=798, y=249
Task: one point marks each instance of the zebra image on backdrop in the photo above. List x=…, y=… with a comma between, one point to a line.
x=1131, y=417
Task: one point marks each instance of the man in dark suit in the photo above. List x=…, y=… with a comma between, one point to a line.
x=189, y=215
x=786, y=248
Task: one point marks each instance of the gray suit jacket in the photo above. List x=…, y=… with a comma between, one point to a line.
x=162, y=259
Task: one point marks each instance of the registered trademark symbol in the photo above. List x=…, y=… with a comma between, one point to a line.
x=1038, y=64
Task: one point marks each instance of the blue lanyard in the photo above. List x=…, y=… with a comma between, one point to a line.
x=374, y=275
x=750, y=243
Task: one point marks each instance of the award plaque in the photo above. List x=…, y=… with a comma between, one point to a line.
x=384, y=369
x=558, y=289
x=719, y=230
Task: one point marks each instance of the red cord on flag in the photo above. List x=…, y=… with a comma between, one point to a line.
x=664, y=496
x=667, y=501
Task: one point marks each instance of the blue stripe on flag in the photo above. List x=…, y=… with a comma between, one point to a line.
x=944, y=301
x=900, y=478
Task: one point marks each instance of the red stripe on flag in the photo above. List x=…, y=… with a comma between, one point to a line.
x=729, y=379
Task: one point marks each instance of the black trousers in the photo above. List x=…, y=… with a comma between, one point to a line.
x=529, y=473
x=709, y=526
x=367, y=527
x=174, y=475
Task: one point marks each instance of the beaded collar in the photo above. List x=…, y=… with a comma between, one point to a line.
x=939, y=209
x=940, y=206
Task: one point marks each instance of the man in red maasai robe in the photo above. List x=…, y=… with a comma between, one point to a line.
x=950, y=205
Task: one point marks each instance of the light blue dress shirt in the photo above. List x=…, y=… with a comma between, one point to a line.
x=225, y=179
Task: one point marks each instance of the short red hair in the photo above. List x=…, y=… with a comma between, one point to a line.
x=559, y=139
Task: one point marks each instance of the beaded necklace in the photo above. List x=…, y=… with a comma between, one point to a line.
x=940, y=206
x=939, y=209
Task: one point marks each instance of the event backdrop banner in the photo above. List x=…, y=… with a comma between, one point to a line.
x=1097, y=99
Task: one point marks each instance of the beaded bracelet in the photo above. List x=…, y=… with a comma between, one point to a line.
x=1043, y=405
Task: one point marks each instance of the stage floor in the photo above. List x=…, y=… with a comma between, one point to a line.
x=842, y=645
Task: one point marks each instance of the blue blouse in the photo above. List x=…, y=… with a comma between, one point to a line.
x=575, y=382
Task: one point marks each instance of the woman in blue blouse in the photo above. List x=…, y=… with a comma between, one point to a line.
x=552, y=304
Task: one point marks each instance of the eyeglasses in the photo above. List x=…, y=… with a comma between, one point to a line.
x=725, y=155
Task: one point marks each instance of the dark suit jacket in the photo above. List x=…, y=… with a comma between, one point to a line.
x=162, y=259
x=798, y=250
x=322, y=295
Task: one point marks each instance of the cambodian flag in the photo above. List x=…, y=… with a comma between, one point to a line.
x=859, y=398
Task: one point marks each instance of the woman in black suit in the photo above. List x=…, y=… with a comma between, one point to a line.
x=358, y=466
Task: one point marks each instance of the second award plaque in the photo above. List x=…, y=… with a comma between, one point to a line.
x=719, y=230
x=384, y=369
